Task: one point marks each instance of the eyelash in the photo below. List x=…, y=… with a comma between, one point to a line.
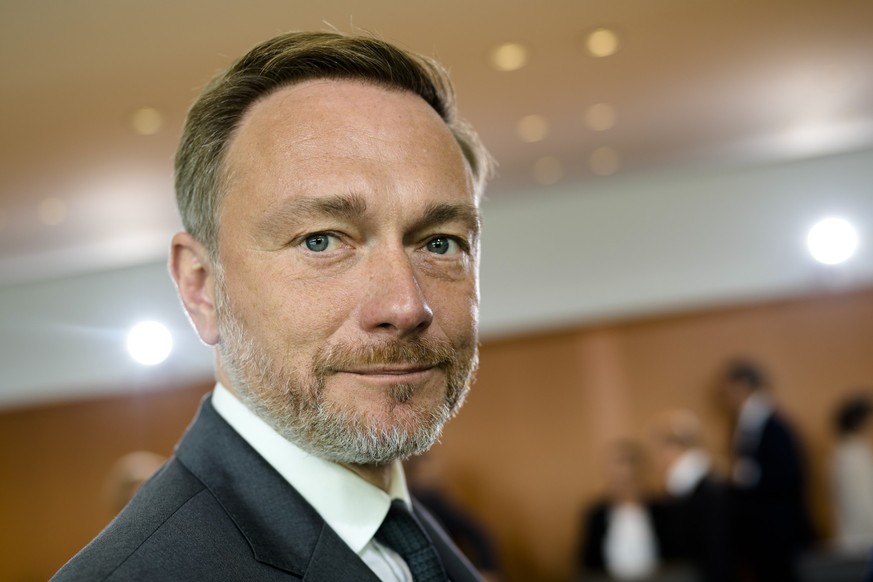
x=303, y=240
x=462, y=243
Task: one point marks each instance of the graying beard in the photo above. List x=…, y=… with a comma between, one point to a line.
x=303, y=419
x=342, y=438
x=401, y=392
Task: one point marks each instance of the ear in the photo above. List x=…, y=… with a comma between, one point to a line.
x=193, y=274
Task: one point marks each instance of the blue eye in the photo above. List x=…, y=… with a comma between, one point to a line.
x=318, y=242
x=441, y=245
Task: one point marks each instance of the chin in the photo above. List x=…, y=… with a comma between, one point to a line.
x=381, y=430
x=400, y=407
x=382, y=440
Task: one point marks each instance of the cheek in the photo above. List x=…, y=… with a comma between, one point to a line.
x=288, y=312
x=456, y=307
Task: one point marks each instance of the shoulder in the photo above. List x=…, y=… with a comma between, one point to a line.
x=594, y=518
x=173, y=523
x=779, y=433
x=597, y=509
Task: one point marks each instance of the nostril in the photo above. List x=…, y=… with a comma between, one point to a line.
x=406, y=320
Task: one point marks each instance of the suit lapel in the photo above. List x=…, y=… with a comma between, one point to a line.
x=329, y=562
x=281, y=527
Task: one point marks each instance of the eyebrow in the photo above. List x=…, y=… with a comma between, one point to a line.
x=354, y=206
x=442, y=213
x=347, y=207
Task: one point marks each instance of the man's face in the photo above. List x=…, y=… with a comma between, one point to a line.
x=733, y=394
x=347, y=294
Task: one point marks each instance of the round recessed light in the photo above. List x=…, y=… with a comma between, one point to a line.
x=532, y=128
x=602, y=42
x=149, y=343
x=600, y=117
x=832, y=241
x=509, y=56
x=146, y=121
x=548, y=170
x=52, y=211
x=604, y=161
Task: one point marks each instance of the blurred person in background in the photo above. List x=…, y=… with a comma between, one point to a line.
x=771, y=523
x=127, y=475
x=426, y=480
x=852, y=473
x=622, y=534
x=330, y=196
x=697, y=521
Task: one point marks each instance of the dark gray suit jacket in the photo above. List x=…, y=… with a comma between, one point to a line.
x=218, y=511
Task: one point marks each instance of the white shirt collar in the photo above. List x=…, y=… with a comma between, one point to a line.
x=754, y=413
x=684, y=475
x=351, y=506
x=630, y=547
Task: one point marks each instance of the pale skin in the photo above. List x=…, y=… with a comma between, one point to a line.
x=349, y=217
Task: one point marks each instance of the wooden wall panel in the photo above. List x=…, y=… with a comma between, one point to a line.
x=528, y=470
x=525, y=454
x=56, y=460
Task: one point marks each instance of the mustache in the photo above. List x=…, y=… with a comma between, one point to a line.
x=424, y=352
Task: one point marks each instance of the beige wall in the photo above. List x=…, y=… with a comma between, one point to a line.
x=524, y=455
x=56, y=461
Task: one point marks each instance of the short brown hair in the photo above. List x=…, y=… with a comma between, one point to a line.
x=292, y=58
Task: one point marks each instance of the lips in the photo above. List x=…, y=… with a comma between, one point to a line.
x=407, y=361
x=388, y=370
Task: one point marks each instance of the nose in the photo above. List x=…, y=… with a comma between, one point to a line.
x=394, y=302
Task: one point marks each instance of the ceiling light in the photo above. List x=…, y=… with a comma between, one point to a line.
x=149, y=343
x=510, y=56
x=602, y=42
x=604, y=161
x=52, y=211
x=832, y=241
x=532, y=128
x=600, y=117
x=146, y=121
x=548, y=170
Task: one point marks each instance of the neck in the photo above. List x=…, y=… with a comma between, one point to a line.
x=378, y=475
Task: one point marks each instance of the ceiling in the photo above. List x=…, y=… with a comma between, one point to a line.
x=695, y=84
x=737, y=124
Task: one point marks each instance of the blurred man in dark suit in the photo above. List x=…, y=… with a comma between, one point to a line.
x=771, y=522
x=426, y=479
x=622, y=533
x=697, y=518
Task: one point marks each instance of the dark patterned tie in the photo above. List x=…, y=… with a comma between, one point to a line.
x=402, y=533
